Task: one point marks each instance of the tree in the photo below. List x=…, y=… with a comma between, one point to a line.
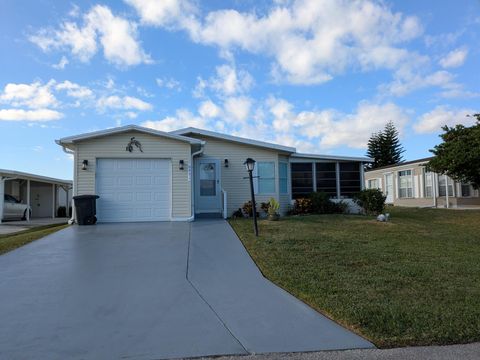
x=458, y=156
x=384, y=147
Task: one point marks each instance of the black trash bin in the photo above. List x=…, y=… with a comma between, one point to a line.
x=85, y=207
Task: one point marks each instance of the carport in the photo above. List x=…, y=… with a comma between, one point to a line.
x=43, y=194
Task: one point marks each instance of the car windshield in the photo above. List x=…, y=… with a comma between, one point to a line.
x=10, y=198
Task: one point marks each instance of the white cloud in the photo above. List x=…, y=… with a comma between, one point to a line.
x=183, y=118
x=29, y=115
x=34, y=95
x=74, y=90
x=432, y=122
x=161, y=13
x=124, y=103
x=454, y=58
x=238, y=108
x=61, y=64
x=311, y=41
x=169, y=83
x=227, y=81
x=117, y=36
x=208, y=109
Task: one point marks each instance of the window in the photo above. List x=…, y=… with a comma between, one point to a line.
x=266, y=177
x=428, y=183
x=326, y=175
x=373, y=184
x=466, y=190
x=442, y=187
x=405, y=184
x=350, y=182
x=283, y=177
x=302, y=179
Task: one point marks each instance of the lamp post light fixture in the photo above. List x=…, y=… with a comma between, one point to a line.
x=250, y=165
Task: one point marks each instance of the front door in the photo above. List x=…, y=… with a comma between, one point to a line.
x=389, y=188
x=207, y=186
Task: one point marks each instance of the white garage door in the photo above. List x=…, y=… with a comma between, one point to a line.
x=133, y=190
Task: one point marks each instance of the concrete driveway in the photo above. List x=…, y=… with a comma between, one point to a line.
x=150, y=291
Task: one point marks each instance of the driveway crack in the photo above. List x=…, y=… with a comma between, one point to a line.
x=203, y=298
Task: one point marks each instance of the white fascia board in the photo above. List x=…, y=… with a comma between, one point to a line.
x=232, y=138
x=34, y=177
x=331, y=157
x=122, y=129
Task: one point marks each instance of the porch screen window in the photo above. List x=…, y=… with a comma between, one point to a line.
x=266, y=177
x=302, y=179
x=326, y=178
x=405, y=184
x=428, y=181
x=350, y=182
x=442, y=187
x=283, y=177
x=466, y=190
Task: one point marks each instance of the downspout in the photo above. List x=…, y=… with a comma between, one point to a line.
x=192, y=185
x=71, y=152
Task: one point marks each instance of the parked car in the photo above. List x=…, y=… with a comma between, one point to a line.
x=14, y=209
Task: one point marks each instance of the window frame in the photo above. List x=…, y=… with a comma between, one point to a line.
x=280, y=178
x=258, y=178
x=399, y=185
x=377, y=182
x=432, y=177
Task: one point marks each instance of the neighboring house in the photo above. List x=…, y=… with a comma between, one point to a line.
x=43, y=194
x=410, y=184
x=191, y=172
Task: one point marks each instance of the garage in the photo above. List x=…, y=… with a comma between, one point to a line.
x=133, y=189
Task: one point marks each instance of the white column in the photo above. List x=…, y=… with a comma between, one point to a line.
x=53, y=201
x=314, y=176
x=337, y=170
x=28, y=200
x=362, y=177
x=446, y=190
x=434, y=188
x=2, y=196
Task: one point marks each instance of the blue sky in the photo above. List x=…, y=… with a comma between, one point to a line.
x=320, y=75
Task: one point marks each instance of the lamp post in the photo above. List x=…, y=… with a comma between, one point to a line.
x=250, y=165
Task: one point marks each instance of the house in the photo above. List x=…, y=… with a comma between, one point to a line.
x=410, y=184
x=43, y=194
x=143, y=174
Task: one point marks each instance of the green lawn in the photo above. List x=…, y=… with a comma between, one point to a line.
x=10, y=242
x=412, y=281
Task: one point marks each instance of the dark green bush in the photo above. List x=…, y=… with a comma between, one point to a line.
x=371, y=200
x=321, y=204
x=248, y=208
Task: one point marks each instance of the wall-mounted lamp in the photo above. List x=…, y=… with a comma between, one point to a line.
x=225, y=162
x=84, y=164
x=181, y=164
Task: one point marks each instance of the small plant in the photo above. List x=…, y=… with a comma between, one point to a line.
x=371, y=200
x=237, y=214
x=264, y=206
x=273, y=208
x=248, y=209
x=321, y=203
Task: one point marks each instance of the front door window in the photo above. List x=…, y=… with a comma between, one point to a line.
x=208, y=179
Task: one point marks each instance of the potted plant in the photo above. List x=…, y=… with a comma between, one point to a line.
x=273, y=207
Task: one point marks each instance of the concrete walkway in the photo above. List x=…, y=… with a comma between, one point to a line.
x=150, y=291
x=450, y=352
x=14, y=226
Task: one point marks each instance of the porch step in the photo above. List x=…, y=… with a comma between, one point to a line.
x=208, y=216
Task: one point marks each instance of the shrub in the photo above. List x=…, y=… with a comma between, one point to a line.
x=237, y=214
x=302, y=206
x=321, y=203
x=371, y=200
x=248, y=208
